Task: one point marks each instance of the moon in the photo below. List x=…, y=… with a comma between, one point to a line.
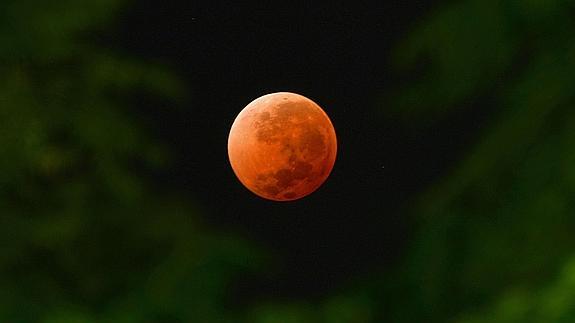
x=282, y=146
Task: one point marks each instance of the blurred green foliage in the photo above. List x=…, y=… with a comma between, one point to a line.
x=85, y=238
x=502, y=220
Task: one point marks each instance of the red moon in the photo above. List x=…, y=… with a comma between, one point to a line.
x=282, y=146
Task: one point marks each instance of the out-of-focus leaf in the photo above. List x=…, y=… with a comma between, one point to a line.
x=473, y=48
x=353, y=308
x=283, y=313
x=468, y=46
x=43, y=31
x=84, y=234
x=496, y=228
x=550, y=304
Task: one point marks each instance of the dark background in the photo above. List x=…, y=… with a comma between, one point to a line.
x=335, y=54
x=450, y=200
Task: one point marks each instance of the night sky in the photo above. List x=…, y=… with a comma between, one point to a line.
x=339, y=57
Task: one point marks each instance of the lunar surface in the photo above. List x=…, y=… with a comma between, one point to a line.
x=282, y=146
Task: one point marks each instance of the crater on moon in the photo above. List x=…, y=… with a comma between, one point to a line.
x=283, y=147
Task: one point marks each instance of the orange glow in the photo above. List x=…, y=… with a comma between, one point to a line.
x=282, y=146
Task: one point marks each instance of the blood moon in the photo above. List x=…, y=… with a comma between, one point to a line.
x=282, y=146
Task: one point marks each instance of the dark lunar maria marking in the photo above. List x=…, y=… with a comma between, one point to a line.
x=287, y=177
